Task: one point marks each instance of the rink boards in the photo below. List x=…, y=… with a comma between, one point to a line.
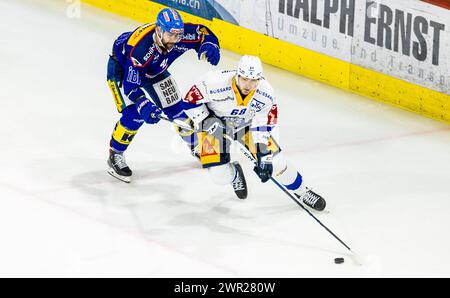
x=365, y=53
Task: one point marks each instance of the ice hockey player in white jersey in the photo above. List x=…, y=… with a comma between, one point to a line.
x=241, y=104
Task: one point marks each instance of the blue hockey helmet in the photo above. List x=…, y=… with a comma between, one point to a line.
x=170, y=21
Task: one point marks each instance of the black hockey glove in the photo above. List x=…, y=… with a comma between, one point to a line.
x=263, y=167
x=213, y=126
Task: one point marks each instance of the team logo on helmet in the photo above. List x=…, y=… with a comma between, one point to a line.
x=169, y=20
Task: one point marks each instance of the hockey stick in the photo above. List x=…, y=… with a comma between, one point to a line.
x=250, y=157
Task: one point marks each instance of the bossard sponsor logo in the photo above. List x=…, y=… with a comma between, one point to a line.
x=265, y=94
x=257, y=105
x=220, y=90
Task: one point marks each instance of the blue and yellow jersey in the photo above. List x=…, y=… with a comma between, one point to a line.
x=143, y=59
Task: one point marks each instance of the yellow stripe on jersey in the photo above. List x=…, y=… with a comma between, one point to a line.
x=122, y=134
x=118, y=99
x=136, y=37
x=239, y=100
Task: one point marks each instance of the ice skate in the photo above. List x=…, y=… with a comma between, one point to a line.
x=118, y=167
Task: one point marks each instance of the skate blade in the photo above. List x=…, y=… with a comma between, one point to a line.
x=324, y=211
x=242, y=197
x=119, y=177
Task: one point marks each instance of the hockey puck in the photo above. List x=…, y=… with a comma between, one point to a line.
x=339, y=260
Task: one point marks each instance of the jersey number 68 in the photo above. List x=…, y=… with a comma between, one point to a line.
x=238, y=112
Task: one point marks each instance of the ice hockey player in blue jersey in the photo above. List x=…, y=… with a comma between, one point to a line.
x=139, y=80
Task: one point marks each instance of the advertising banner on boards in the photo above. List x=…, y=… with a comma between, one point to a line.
x=406, y=39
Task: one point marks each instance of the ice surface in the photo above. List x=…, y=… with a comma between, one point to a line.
x=385, y=173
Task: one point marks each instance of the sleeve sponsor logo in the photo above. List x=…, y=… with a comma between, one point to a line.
x=133, y=76
x=265, y=94
x=273, y=115
x=194, y=95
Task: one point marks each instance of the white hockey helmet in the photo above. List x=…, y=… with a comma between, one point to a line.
x=250, y=67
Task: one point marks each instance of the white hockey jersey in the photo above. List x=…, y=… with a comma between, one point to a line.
x=217, y=92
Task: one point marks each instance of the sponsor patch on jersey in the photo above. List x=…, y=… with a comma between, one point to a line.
x=273, y=115
x=133, y=76
x=194, y=95
x=167, y=91
x=220, y=90
x=164, y=63
x=180, y=48
x=257, y=105
x=208, y=149
x=189, y=36
x=265, y=94
x=149, y=54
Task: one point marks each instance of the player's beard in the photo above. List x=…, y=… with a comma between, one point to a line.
x=169, y=45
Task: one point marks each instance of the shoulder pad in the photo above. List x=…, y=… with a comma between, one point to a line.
x=139, y=33
x=265, y=90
